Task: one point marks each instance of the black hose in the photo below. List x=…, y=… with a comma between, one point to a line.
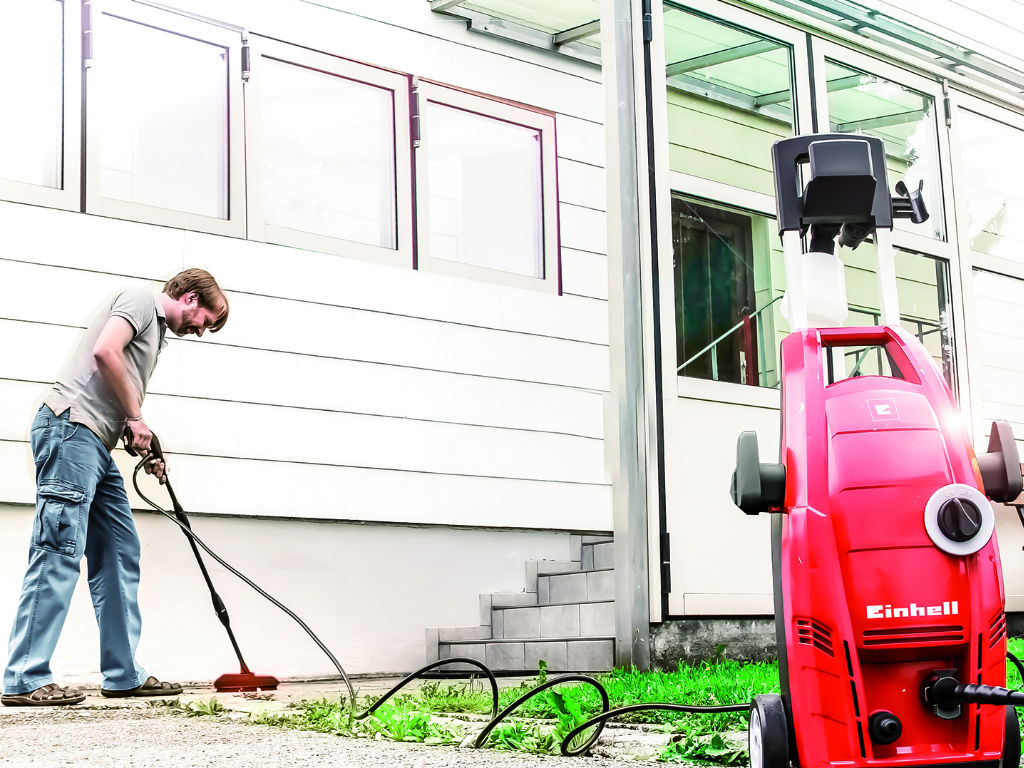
x=496, y=717
x=441, y=663
x=610, y=713
x=481, y=738
x=194, y=538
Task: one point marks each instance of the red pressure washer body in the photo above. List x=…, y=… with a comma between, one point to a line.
x=869, y=603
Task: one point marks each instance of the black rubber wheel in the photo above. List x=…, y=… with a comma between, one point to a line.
x=768, y=734
x=1011, y=741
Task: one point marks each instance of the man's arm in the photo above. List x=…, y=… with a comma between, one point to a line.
x=108, y=352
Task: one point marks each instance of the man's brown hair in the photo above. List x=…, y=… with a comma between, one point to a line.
x=211, y=296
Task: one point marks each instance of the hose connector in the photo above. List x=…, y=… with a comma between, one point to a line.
x=942, y=693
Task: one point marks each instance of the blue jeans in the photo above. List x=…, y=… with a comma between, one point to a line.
x=81, y=508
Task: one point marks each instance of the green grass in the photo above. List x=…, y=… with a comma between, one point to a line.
x=540, y=724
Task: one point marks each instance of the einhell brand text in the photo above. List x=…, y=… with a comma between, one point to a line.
x=906, y=612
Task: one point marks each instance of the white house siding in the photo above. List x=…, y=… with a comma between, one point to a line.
x=341, y=390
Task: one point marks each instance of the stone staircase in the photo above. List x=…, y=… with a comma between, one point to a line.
x=565, y=616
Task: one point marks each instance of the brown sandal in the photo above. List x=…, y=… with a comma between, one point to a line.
x=50, y=695
x=152, y=687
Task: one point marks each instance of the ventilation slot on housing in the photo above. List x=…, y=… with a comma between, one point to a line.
x=997, y=629
x=912, y=635
x=811, y=632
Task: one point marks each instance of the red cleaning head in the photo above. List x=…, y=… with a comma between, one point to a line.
x=245, y=681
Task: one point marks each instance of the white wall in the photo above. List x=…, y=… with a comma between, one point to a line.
x=368, y=591
x=343, y=389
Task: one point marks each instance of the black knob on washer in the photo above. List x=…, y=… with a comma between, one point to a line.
x=884, y=727
x=959, y=519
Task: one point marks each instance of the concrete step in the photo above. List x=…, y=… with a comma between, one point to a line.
x=546, y=621
x=596, y=539
x=503, y=600
x=565, y=654
x=576, y=587
x=597, y=556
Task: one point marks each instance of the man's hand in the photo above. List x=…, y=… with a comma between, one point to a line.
x=139, y=437
x=157, y=468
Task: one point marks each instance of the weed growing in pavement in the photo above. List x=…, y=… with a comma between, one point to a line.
x=210, y=708
x=706, y=748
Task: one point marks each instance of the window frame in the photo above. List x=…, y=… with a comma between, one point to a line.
x=504, y=111
x=823, y=49
x=960, y=102
x=720, y=194
x=165, y=21
x=68, y=196
x=398, y=83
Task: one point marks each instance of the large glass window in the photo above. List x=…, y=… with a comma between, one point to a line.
x=473, y=220
x=164, y=143
x=328, y=155
x=990, y=164
x=859, y=102
x=164, y=131
x=729, y=99
x=486, y=189
x=31, y=92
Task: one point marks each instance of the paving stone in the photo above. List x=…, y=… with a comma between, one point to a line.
x=520, y=622
x=503, y=656
x=553, y=652
x=543, y=590
x=590, y=655
x=568, y=588
x=600, y=586
x=559, y=620
x=597, y=619
x=604, y=555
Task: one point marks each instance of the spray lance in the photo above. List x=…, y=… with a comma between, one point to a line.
x=245, y=679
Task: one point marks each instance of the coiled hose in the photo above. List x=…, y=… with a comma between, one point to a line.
x=568, y=747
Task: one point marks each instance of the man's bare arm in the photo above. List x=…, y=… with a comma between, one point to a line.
x=108, y=352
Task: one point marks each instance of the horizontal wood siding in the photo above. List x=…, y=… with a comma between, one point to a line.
x=341, y=388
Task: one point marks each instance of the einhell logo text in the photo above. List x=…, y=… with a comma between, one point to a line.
x=888, y=612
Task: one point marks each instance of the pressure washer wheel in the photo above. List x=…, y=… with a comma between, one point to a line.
x=768, y=736
x=1011, y=742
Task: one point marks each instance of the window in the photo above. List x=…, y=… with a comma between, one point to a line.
x=730, y=97
x=329, y=157
x=162, y=146
x=724, y=300
x=993, y=197
x=39, y=147
x=486, y=197
x=903, y=118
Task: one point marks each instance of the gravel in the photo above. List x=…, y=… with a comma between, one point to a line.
x=145, y=737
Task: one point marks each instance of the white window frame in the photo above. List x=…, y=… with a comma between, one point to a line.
x=947, y=249
x=960, y=101
x=484, y=106
x=263, y=48
x=719, y=193
x=823, y=49
x=234, y=224
x=69, y=196
x=971, y=260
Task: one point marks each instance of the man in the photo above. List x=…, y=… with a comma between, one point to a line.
x=81, y=504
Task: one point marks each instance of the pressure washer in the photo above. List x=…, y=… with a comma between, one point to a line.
x=889, y=601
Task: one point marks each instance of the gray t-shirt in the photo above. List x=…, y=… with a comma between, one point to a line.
x=83, y=389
